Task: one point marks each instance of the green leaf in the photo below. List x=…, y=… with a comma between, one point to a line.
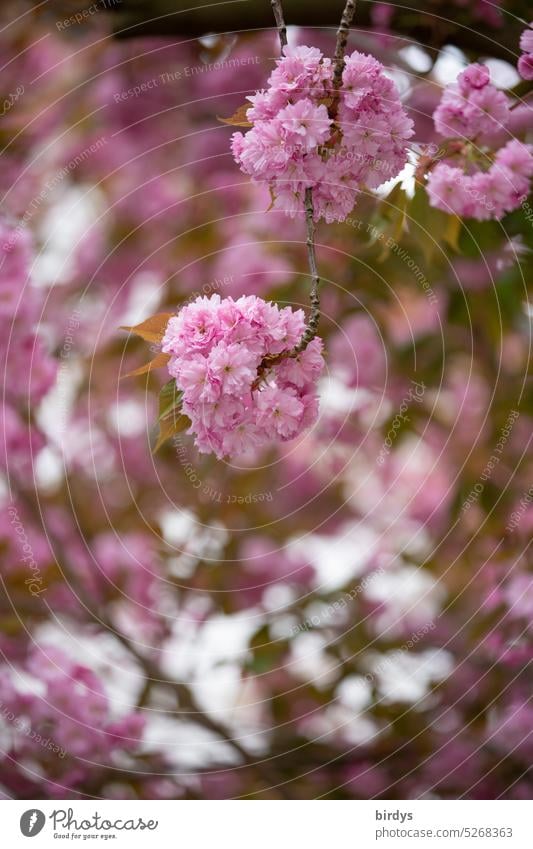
x=426, y=223
x=170, y=420
x=169, y=398
x=452, y=232
x=168, y=427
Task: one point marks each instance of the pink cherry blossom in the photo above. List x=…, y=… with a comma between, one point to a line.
x=233, y=407
x=233, y=367
x=525, y=63
x=294, y=144
x=477, y=181
x=472, y=108
x=484, y=194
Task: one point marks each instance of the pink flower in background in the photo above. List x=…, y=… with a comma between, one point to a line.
x=484, y=194
x=358, y=354
x=71, y=708
x=232, y=408
x=478, y=183
x=525, y=63
x=472, y=108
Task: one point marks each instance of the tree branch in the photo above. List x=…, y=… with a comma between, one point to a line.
x=431, y=24
x=342, y=40
x=340, y=49
x=151, y=671
x=312, y=325
x=280, y=22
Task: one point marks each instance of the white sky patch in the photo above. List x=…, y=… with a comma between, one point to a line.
x=450, y=63
x=55, y=409
x=407, y=592
x=311, y=663
x=340, y=722
x=407, y=676
x=144, y=298
x=355, y=692
x=186, y=744
x=209, y=657
x=340, y=558
x=419, y=59
x=336, y=397
x=128, y=418
x=502, y=74
x=101, y=653
x=48, y=470
x=71, y=214
x=177, y=525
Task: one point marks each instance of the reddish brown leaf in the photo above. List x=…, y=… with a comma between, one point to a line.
x=153, y=329
x=158, y=362
x=238, y=119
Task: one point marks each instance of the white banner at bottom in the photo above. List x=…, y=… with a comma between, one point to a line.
x=264, y=825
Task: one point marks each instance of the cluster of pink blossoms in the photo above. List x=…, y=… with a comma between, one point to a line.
x=294, y=144
x=525, y=63
x=475, y=112
x=64, y=724
x=216, y=347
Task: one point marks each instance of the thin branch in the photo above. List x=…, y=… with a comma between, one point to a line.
x=338, y=66
x=312, y=325
x=342, y=40
x=340, y=49
x=280, y=22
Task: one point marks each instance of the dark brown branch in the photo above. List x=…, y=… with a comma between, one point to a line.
x=312, y=325
x=340, y=49
x=342, y=40
x=431, y=25
x=280, y=22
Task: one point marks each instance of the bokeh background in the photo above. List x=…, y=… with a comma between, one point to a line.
x=343, y=616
